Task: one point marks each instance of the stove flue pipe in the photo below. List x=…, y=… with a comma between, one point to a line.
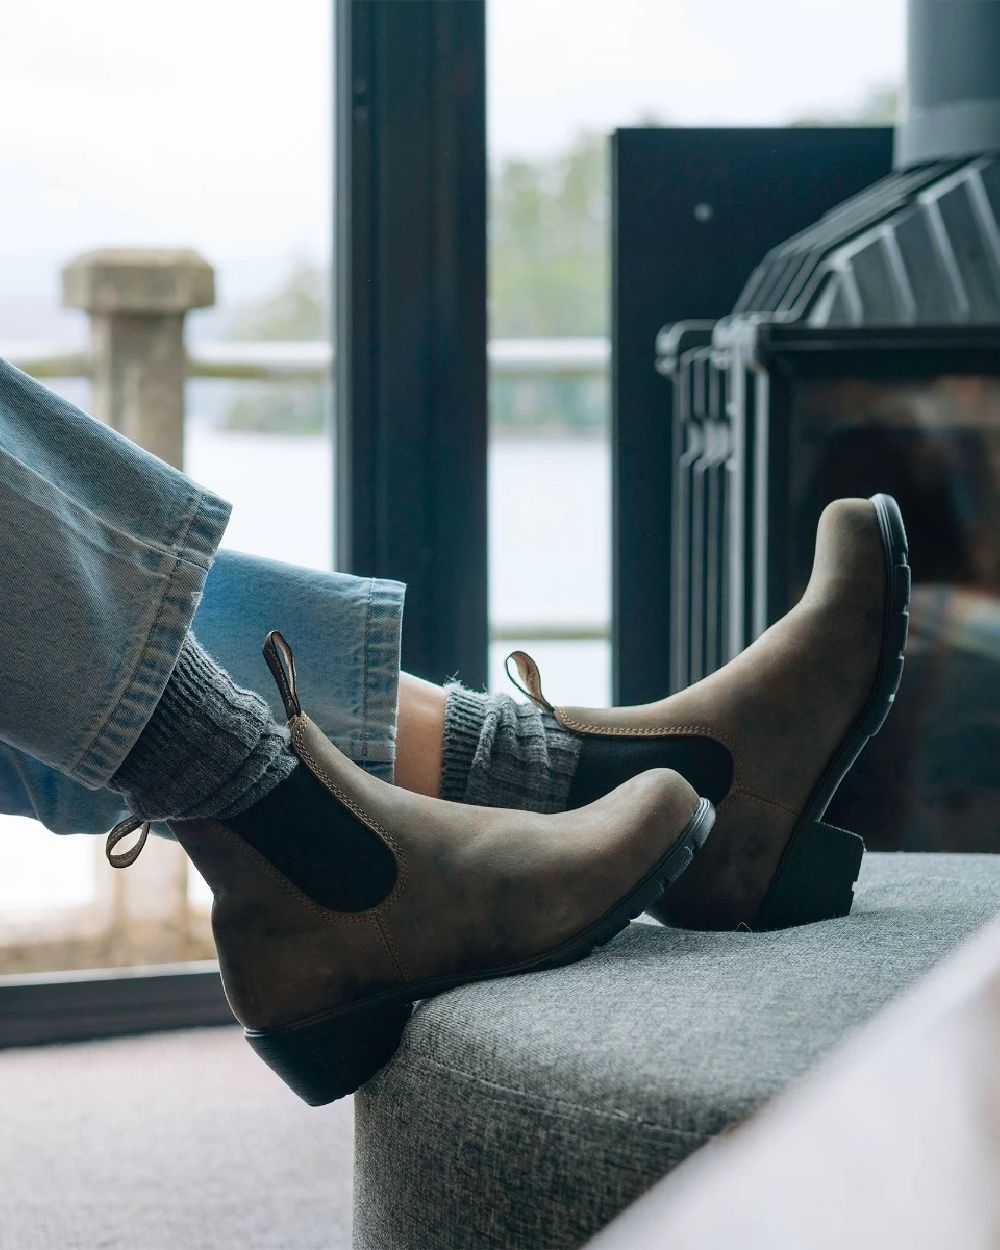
x=951, y=107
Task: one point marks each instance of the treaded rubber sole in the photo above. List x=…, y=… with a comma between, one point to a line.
x=330, y=1055
x=817, y=873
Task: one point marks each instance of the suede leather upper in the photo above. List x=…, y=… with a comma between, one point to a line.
x=477, y=889
x=783, y=708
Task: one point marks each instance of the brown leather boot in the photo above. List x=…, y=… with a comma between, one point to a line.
x=769, y=737
x=324, y=995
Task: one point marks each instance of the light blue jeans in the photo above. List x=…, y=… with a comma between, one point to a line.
x=107, y=557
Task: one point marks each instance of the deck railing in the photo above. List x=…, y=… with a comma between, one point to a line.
x=138, y=363
x=267, y=360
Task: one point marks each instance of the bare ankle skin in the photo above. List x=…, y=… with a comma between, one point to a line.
x=419, y=735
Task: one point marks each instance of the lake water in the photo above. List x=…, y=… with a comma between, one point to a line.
x=549, y=563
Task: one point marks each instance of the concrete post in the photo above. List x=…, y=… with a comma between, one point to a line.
x=137, y=299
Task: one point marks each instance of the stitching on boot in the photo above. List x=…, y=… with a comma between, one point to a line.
x=662, y=731
x=391, y=949
x=642, y=731
x=762, y=798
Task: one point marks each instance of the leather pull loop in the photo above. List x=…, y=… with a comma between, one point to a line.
x=528, y=680
x=281, y=662
x=124, y=858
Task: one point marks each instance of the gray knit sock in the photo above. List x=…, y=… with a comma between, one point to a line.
x=501, y=753
x=209, y=749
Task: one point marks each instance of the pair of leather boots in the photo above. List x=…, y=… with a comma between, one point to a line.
x=756, y=750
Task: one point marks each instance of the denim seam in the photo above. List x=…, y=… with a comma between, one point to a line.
x=155, y=608
x=376, y=665
x=206, y=529
x=90, y=765
x=365, y=684
x=110, y=741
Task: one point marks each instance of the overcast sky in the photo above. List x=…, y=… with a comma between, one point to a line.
x=207, y=122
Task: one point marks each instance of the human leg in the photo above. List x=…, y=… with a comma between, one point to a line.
x=325, y=991
x=420, y=735
x=350, y=630
x=107, y=555
x=340, y=899
x=104, y=556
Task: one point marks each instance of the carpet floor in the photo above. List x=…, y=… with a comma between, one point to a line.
x=175, y=1141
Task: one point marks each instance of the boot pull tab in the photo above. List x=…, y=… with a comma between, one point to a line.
x=281, y=662
x=530, y=682
x=123, y=858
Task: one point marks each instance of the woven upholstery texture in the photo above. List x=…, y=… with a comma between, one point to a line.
x=527, y=1112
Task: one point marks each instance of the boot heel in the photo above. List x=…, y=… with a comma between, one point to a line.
x=815, y=880
x=329, y=1056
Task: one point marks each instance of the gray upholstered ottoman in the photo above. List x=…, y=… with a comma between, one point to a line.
x=528, y=1112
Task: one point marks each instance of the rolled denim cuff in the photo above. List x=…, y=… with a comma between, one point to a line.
x=172, y=608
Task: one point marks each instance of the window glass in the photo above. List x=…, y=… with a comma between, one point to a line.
x=206, y=127
x=562, y=76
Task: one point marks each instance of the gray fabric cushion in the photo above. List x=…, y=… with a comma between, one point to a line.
x=527, y=1112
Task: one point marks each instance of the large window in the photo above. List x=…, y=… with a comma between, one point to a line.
x=561, y=78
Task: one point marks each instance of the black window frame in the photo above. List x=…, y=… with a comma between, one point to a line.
x=411, y=318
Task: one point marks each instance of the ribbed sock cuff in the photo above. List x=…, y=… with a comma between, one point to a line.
x=210, y=748
x=501, y=753
x=465, y=713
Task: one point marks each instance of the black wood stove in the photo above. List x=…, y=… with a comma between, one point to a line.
x=864, y=355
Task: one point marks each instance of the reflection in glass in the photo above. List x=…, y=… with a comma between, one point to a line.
x=931, y=779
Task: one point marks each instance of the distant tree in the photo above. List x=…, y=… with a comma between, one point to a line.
x=548, y=257
x=297, y=309
x=548, y=244
x=877, y=107
x=549, y=261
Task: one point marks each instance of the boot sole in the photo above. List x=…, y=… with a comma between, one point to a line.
x=817, y=873
x=327, y=1056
